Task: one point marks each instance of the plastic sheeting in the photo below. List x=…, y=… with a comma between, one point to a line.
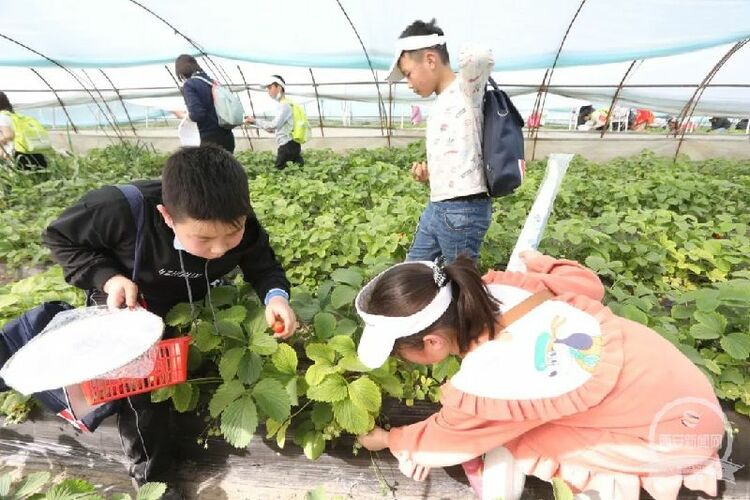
x=91, y=33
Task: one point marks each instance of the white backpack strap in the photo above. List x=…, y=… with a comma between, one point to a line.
x=198, y=77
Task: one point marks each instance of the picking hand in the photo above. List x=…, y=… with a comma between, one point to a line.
x=278, y=309
x=375, y=440
x=249, y=120
x=120, y=290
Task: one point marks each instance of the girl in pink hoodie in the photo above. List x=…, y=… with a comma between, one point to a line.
x=551, y=384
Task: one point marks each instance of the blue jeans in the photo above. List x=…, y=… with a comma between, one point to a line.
x=449, y=228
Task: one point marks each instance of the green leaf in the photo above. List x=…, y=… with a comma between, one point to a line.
x=351, y=418
x=352, y=363
x=272, y=398
x=710, y=325
x=346, y=327
x=29, y=485
x=235, y=314
x=691, y=353
x=596, y=262
x=318, y=493
x=151, y=491
x=230, y=330
x=239, y=421
x=285, y=359
x=292, y=388
x=365, y=393
x=162, y=394
x=343, y=345
x=332, y=388
x=707, y=300
x=445, y=369
x=313, y=444
x=205, y=337
x=72, y=489
x=320, y=353
x=704, y=332
x=256, y=323
x=733, y=375
x=561, y=490
x=195, y=358
x=681, y=311
x=263, y=343
x=180, y=314
x=737, y=345
x=223, y=295
x=224, y=395
x=305, y=307
x=633, y=313
x=712, y=366
x=325, y=325
x=390, y=384
x=342, y=296
x=183, y=395
x=278, y=429
x=230, y=362
x=351, y=276
x=251, y=366
x=317, y=372
x=322, y=414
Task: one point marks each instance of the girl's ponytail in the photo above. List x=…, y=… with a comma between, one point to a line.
x=475, y=309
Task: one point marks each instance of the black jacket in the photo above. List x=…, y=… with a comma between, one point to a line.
x=95, y=239
x=200, y=104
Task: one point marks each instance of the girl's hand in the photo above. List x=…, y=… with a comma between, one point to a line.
x=375, y=440
x=529, y=255
x=413, y=470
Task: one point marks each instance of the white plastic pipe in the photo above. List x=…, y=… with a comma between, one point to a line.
x=533, y=228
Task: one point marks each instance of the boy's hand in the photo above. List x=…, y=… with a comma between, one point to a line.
x=120, y=290
x=278, y=309
x=375, y=440
x=249, y=120
x=419, y=171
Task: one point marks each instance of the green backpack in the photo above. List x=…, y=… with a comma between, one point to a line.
x=31, y=136
x=301, y=127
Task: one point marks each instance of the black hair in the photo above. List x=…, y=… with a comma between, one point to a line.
x=282, y=81
x=205, y=183
x=185, y=65
x=419, y=28
x=5, y=104
x=408, y=288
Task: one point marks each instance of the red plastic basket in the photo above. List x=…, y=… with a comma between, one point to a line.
x=170, y=368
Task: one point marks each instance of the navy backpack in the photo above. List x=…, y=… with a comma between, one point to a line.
x=502, y=143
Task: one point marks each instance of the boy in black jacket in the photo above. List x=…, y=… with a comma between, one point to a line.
x=198, y=226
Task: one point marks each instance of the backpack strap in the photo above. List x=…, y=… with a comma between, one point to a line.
x=136, y=203
x=198, y=77
x=525, y=306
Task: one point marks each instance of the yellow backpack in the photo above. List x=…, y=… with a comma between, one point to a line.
x=31, y=136
x=301, y=126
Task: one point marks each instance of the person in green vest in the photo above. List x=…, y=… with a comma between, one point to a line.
x=289, y=126
x=23, y=140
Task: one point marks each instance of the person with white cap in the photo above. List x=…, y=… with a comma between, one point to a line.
x=282, y=125
x=459, y=212
x=551, y=383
